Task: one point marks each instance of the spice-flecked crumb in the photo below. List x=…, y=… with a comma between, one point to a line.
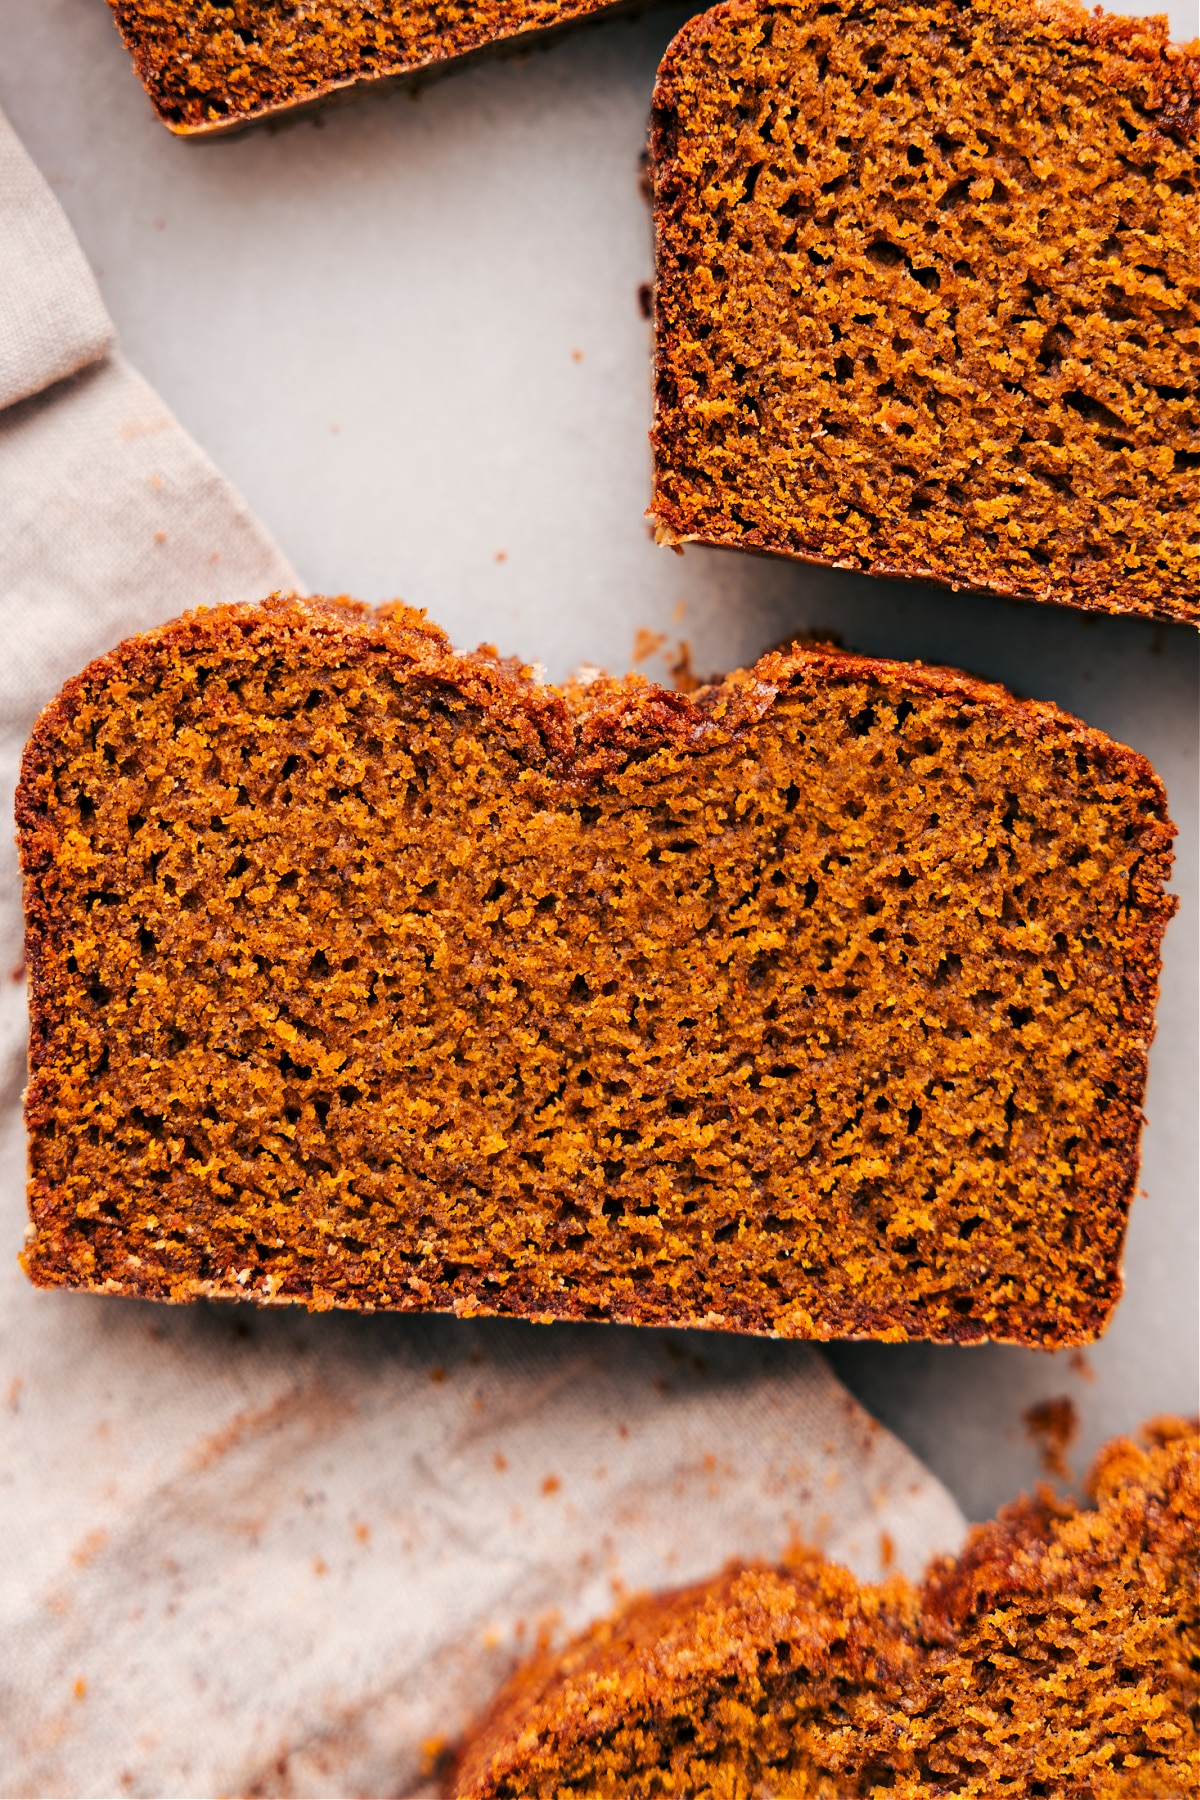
x=365, y=973
x=207, y=65
x=928, y=295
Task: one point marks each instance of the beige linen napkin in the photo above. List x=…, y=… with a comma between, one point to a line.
x=269, y=1553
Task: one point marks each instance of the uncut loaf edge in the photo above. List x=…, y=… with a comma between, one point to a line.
x=365, y=973
x=1056, y=1656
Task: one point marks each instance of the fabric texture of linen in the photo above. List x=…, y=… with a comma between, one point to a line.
x=274, y=1553
x=52, y=319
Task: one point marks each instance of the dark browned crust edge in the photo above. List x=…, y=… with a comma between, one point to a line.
x=596, y=734
x=1179, y=115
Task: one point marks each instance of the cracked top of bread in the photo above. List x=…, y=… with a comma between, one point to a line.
x=928, y=295
x=209, y=66
x=366, y=973
x=1058, y=1657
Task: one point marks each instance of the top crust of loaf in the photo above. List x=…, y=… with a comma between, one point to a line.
x=1056, y=1656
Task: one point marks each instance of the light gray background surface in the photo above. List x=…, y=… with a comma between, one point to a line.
x=409, y=330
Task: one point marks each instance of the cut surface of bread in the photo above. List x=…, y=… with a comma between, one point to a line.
x=1058, y=1657
x=210, y=66
x=367, y=973
x=928, y=295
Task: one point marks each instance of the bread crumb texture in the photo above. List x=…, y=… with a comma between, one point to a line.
x=207, y=66
x=927, y=295
x=365, y=973
x=1058, y=1657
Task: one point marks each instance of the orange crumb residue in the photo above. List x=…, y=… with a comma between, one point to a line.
x=1053, y=1426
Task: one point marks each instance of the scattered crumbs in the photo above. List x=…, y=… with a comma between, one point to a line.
x=88, y=1547
x=320, y=1566
x=645, y=299
x=13, y=1398
x=1052, y=1425
x=501, y=556
x=682, y=673
x=887, y=1550
x=709, y=1463
x=519, y=1629
x=491, y=1638
x=80, y=1688
x=1078, y=1364
x=577, y=356
x=437, y=1374
x=500, y=1462
x=362, y=1532
x=677, y=612
x=550, y=1484
x=435, y=1752
x=647, y=644
x=623, y=1431
x=215, y=557
x=156, y=480
x=126, y=1778
x=160, y=537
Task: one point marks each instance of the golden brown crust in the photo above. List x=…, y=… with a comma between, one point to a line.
x=209, y=67
x=1058, y=1656
x=366, y=973
x=904, y=325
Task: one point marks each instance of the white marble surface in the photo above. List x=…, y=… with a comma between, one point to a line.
x=409, y=330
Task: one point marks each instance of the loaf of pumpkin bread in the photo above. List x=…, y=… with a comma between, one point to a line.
x=209, y=65
x=364, y=973
x=1059, y=1656
x=928, y=295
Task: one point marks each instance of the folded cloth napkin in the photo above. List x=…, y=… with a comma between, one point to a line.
x=277, y=1554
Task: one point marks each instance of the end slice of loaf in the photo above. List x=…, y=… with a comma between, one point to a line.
x=1057, y=1657
x=928, y=298
x=209, y=66
x=368, y=974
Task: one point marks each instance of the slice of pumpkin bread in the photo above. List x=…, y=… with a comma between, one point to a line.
x=1058, y=1657
x=365, y=973
x=212, y=64
x=928, y=295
